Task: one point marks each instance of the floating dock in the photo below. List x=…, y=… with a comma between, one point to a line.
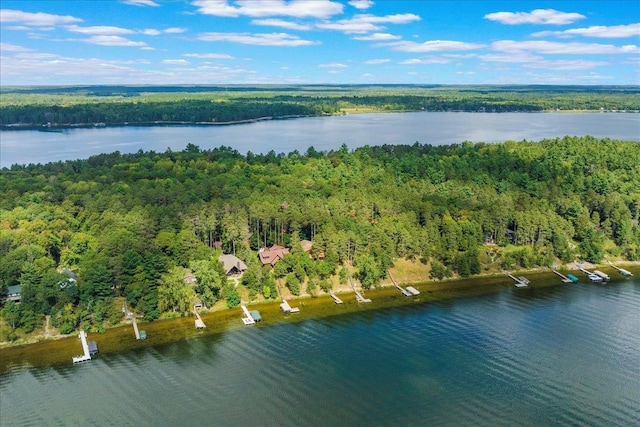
x=565, y=279
x=335, y=297
x=521, y=282
x=413, y=290
x=604, y=276
x=85, y=347
x=286, y=308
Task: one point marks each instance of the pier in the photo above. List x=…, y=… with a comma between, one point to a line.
x=335, y=297
x=521, y=282
x=140, y=335
x=250, y=317
x=594, y=276
x=286, y=308
x=620, y=270
x=359, y=296
x=565, y=279
x=199, y=323
x=408, y=292
x=85, y=347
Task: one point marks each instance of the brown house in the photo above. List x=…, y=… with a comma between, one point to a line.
x=270, y=256
x=233, y=266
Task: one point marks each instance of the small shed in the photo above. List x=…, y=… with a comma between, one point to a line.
x=255, y=314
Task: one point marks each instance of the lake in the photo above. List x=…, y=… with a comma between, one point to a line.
x=323, y=133
x=558, y=355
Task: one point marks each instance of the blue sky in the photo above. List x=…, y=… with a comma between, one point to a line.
x=319, y=41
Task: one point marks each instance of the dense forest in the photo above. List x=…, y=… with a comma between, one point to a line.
x=22, y=108
x=134, y=225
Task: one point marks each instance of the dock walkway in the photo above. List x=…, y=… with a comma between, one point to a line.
x=521, y=282
x=404, y=291
x=620, y=270
x=286, y=308
x=565, y=279
x=85, y=347
x=247, y=319
x=359, y=296
x=335, y=297
x=199, y=323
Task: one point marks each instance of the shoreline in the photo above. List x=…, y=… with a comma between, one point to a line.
x=40, y=351
x=62, y=127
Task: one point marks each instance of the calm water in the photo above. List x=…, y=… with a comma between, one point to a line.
x=324, y=133
x=566, y=355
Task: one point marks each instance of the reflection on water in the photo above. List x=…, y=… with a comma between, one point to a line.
x=565, y=355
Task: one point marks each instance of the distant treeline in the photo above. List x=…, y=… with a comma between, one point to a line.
x=118, y=105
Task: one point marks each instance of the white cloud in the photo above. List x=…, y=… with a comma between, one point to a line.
x=367, y=23
x=271, y=39
x=208, y=55
x=376, y=61
x=174, y=30
x=377, y=37
x=175, y=61
x=35, y=19
x=577, y=64
x=599, y=31
x=546, y=47
x=510, y=57
x=8, y=47
x=112, y=41
x=538, y=16
x=98, y=30
x=426, y=61
x=333, y=65
x=361, y=4
x=282, y=24
x=321, y=9
x=431, y=46
x=140, y=2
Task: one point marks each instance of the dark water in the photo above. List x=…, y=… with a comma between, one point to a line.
x=565, y=355
x=324, y=133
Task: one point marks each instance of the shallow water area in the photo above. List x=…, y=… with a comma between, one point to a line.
x=545, y=355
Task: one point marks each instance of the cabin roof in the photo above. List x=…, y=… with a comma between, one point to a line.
x=229, y=262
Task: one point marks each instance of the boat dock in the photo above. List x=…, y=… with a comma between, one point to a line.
x=335, y=297
x=521, y=282
x=85, y=347
x=620, y=270
x=286, y=308
x=594, y=276
x=140, y=335
x=565, y=279
x=359, y=296
x=250, y=317
x=409, y=291
x=199, y=323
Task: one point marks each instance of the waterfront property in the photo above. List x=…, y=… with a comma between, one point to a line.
x=13, y=293
x=233, y=266
x=270, y=256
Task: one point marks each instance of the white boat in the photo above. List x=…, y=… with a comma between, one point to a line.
x=595, y=278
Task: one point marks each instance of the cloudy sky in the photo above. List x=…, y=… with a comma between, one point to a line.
x=319, y=41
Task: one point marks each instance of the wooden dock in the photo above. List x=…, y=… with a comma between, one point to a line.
x=359, y=296
x=335, y=297
x=85, y=347
x=247, y=319
x=286, y=308
x=565, y=279
x=405, y=292
x=521, y=282
x=199, y=323
x=620, y=270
